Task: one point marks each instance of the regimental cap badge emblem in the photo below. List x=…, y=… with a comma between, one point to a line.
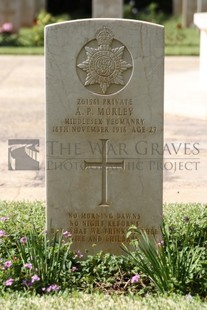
x=108, y=64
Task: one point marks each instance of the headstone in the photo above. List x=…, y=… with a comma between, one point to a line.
x=201, y=5
x=107, y=8
x=177, y=7
x=200, y=20
x=27, y=13
x=40, y=5
x=104, y=93
x=189, y=8
x=10, y=13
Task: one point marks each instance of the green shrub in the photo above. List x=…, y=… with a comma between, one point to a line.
x=44, y=19
x=108, y=273
x=175, y=264
x=36, y=262
x=35, y=35
x=150, y=14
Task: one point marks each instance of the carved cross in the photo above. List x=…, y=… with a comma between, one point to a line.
x=104, y=165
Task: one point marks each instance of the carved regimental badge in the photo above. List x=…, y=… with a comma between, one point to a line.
x=104, y=65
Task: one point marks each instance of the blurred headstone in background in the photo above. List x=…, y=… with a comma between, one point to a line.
x=177, y=7
x=20, y=13
x=189, y=7
x=10, y=14
x=39, y=5
x=27, y=9
x=107, y=8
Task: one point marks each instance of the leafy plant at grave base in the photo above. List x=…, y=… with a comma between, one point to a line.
x=38, y=263
x=182, y=259
x=187, y=223
x=173, y=267
x=13, y=214
x=109, y=273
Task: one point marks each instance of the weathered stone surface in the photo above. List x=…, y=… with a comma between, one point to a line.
x=104, y=93
x=107, y=8
x=177, y=7
x=201, y=5
x=27, y=13
x=10, y=13
x=20, y=13
x=40, y=5
x=200, y=20
x=189, y=8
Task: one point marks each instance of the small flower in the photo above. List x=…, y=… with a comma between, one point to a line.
x=134, y=11
x=35, y=278
x=7, y=27
x=160, y=243
x=23, y=240
x=135, y=278
x=24, y=282
x=189, y=297
x=73, y=269
x=78, y=254
x=4, y=219
x=9, y=282
x=53, y=288
x=27, y=283
x=7, y=264
x=2, y=233
x=28, y=266
x=67, y=234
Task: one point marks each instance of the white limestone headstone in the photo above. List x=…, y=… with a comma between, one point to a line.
x=104, y=132
x=200, y=20
x=107, y=8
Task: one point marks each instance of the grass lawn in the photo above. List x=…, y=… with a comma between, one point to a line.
x=80, y=301
x=8, y=50
x=180, y=41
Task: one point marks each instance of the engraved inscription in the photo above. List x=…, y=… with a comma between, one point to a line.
x=104, y=165
x=105, y=65
x=105, y=115
x=105, y=227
